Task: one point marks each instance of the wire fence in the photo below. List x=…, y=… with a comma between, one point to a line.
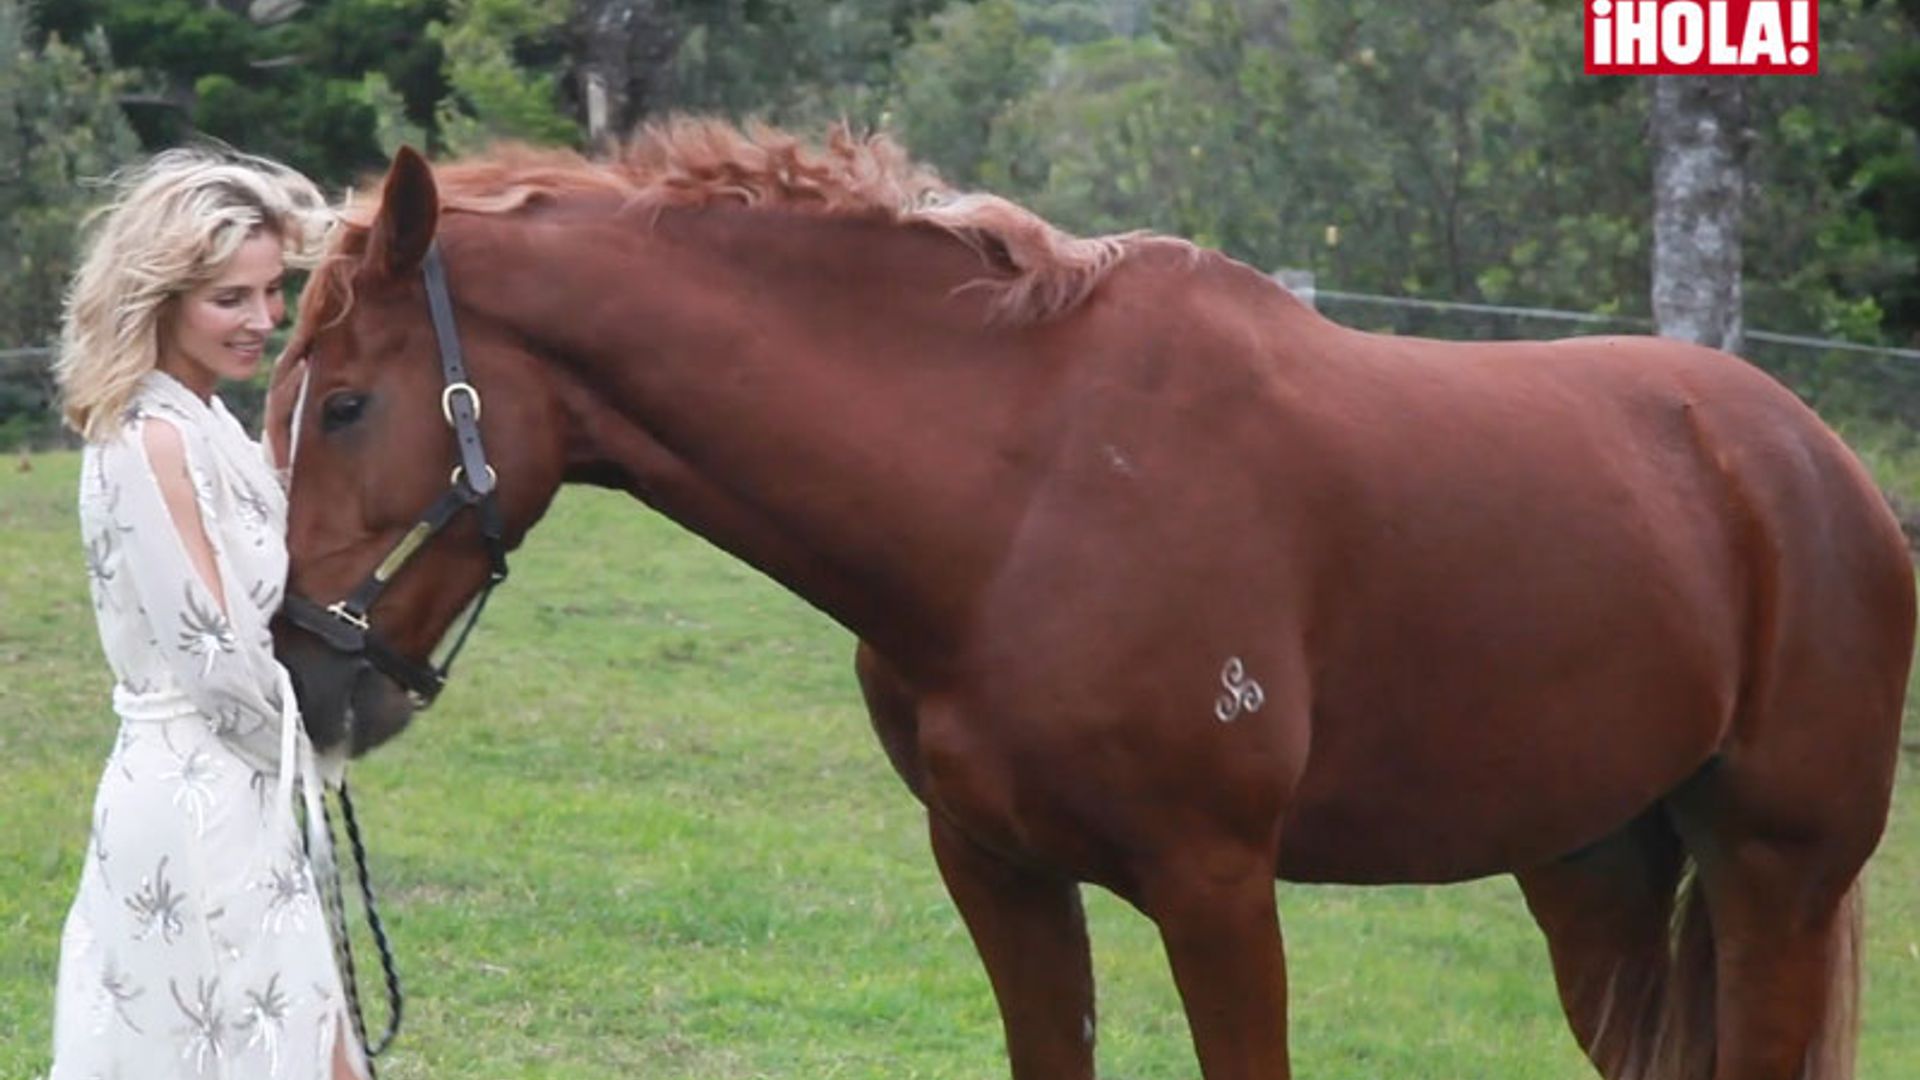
x=27, y=415
x=1843, y=379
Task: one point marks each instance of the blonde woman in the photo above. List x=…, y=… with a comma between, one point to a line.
x=197, y=946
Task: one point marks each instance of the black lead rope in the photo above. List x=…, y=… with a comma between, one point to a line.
x=389, y=971
x=473, y=620
x=396, y=1001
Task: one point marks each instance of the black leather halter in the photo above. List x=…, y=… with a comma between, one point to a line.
x=345, y=625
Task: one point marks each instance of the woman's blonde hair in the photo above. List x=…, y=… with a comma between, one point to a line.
x=171, y=226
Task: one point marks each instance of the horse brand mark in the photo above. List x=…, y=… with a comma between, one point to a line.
x=1243, y=694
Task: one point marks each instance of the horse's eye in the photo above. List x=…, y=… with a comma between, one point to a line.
x=341, y=409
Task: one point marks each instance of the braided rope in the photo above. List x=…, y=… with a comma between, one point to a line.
x=389, y=970
x=335, y=904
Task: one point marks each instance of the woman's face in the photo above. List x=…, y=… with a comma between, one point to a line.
x=219, y=330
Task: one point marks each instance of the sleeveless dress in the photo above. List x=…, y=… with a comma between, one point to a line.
x=198, y=946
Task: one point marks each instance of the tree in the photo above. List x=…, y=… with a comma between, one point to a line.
x=1889, y=172
x=492, y=93
x=1699, y=181
x=622, y=50
x=61, y=130
x=606, y=65
x=60, y=127
x=957, y=81
x=314, y=83
x=801, y=62
x=1451, y=150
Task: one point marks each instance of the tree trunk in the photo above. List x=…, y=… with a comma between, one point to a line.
x=621, y=51
x=1698, y=177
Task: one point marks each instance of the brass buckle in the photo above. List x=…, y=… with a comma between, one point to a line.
x=339, y=610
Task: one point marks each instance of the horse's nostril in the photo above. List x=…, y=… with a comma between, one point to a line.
x=376, y=709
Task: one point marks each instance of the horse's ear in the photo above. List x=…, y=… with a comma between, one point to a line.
x=409, y=213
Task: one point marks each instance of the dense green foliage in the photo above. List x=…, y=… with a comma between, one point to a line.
x=648, y=833
x=1448, y=149
x=293, y=81
x=1886, y=169
x=60, y=124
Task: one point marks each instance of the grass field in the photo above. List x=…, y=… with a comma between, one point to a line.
x=647, y=833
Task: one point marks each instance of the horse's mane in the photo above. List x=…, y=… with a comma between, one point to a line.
x=1042, y=271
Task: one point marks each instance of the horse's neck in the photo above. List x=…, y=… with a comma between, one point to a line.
x=828, y=418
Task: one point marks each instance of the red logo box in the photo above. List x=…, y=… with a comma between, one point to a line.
x=1702, y=37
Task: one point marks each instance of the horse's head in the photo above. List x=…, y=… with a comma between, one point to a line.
x=595, y=304
x=412, y=472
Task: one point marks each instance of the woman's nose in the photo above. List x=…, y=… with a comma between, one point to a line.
x=260, y=315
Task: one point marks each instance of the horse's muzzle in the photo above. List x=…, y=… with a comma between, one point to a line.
x=344, y=700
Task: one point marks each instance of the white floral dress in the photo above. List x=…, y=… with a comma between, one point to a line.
x=197, y=947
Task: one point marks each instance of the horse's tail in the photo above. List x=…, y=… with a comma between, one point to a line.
x=1668, y=1032
x=1657, y=1019
x=1831, y=1055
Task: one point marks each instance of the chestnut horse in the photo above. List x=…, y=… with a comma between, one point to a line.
x=1163, y=582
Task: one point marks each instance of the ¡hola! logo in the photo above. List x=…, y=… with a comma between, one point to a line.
x=1702, y=37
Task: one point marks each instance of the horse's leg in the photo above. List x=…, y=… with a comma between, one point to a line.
x=1780, y=823
x=1607, y=913
x=1778, y=869
x=1031, y=934
x=1028, y=926
x=1217, y=917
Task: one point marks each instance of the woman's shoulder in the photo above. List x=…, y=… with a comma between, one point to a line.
x=161, y=395
x=157, y=435
x=145, y=425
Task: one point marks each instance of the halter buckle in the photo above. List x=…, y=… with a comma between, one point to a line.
x=339, y=610
x=446, y=400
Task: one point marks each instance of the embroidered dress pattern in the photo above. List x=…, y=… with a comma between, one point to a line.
x=204, y=632
x=157, y=907
x=264, y=1020
x=196, y=912
x=118, y=993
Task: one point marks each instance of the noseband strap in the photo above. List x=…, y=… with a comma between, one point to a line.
x=346, y=625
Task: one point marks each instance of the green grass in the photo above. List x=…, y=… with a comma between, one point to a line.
x=1892, y=453
x=648, y=833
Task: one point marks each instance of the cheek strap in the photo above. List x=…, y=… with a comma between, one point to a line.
x=293, y=427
